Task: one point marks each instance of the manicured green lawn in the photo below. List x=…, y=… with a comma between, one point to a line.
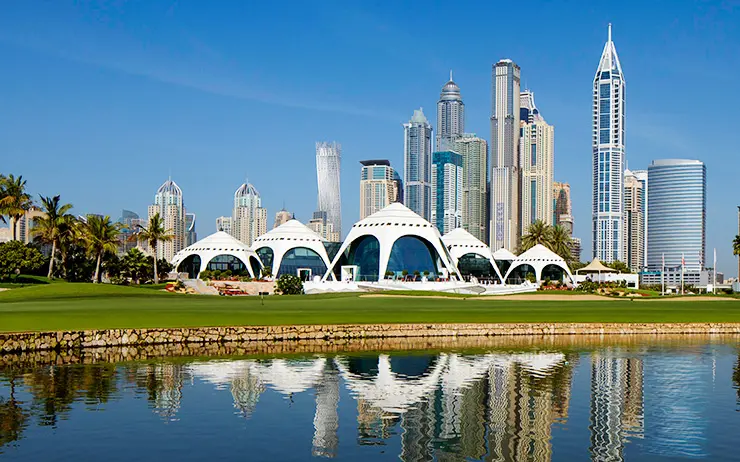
x=64, y=306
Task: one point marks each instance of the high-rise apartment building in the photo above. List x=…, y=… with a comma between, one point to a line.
x=474, y=152
x=25, y=224
x=249, y=219
x=561, y=202
x=536, y=154
x=321, y=225
x=378, y=187
x=447, y=197
x=328, y=166
x=505, y=174
x=634, y=226
x=608, y=156
x=417, y=164
x=129, y=222
x=191, y=236
x=677, y=214
x=168, y=203
x=450, y=115
x=642, y=177
x=224, y=224
x=282, y=217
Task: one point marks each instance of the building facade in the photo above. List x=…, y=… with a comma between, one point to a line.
x=282, y=217
x=677, y=214
x=450, y=115
x=224, y=224
x=168, y=203
x=328, y=166
x=474, y=152
x=249, y=218
x=417, y=165
x=321, y=225
x=642, y=177
x=505, y=176
x=608, y=156
x=536, y=152
x=634, y=222
x=378, y=187
x=447, y=197
x=191, y=235
x=561, y=202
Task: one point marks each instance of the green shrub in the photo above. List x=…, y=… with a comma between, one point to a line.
x=289, y=284
x=205, y=275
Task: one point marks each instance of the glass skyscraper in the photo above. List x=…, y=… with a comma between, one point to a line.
x=417, y=165
x=608, y=156
x=677, y=203
x=328, y=164
x=505, y=177
x=474, y=152
x=447, y=182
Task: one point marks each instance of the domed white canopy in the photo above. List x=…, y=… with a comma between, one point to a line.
x=539, y=257
x=388, y=226
x=215, y=245
x=289, y=236
x=503, y=255
x=460, y=242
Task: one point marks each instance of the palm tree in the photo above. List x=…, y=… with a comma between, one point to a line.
x=537, y=233
x=14, y=200
x=101, y=235
x=49, y=228
x=70, y=234
x=736, y=251
x=560, y=242
x=153, y=235
x=134, y=264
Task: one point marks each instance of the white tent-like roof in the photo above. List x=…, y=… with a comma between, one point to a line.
x=460, y=242
x=596, y=267
x=289, y=236
x=217, y=244
x=539, y=257
x=503, y=255
x=388, y=226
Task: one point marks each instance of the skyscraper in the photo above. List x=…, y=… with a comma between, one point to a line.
x=249, y=219
x=447, y=182
x=417, y=164
x=191, y=236
x=536, y=149
x=224, y=224
x=328, y=164
x=169, y=204
x=474, y=152
x=450, y=115
x=561, y=201
x=320, y=225
x=634, y=226
x=677, y=214
x=505, y=175
x=642, y=177
x=282, y=217
x=378, y=187
x=608, y=156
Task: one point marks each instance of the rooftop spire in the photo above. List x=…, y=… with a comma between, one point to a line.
x=610, y=33
x=450, y=75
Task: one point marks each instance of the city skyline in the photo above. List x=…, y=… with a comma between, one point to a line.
x=666, y=123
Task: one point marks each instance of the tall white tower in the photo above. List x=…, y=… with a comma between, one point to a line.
x=505, y=175
x=417, y=165
x=450, y=115
x=608, y=156
x=249, y=219
x=537, y=152
x=328, y=164
x=169, y=204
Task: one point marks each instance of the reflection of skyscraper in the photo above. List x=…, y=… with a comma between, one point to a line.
x=165, y=382
x=418, y=424
x=326, y=418
x=246, y=389
x=616, y=404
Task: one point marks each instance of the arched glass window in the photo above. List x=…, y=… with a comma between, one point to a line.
x=256, y=267
x=266, y=256
x=553, y=273
x=190, y=265
x=521, y=273
x=413, y=254
x=472, y=264
x=365, y=253
x=226, y=262
x=299, y=258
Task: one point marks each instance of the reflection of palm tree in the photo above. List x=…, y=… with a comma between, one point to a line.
x=736, y=377
x=12, y=417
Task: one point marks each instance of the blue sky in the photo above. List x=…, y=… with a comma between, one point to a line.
x=101, y=101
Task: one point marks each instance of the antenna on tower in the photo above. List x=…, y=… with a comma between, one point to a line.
x=610, y=32
x=450, y=75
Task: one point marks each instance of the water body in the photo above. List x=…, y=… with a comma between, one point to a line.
x=639, y=401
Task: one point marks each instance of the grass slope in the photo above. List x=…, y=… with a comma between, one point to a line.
x=64, y=306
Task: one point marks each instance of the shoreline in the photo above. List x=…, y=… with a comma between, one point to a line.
x=63, y=341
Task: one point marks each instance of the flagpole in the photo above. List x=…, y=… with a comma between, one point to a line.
x=683, y=262
x=662, y=277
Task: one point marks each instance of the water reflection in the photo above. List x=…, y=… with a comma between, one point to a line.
x=447, y=406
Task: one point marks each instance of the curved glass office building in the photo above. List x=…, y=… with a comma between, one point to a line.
x=677, y=204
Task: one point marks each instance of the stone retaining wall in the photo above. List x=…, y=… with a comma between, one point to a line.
x=72, y=340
